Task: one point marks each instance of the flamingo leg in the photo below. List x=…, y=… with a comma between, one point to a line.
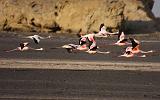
x=146, y=51
x=103, y=52
x=39, y=49
x=11, y=50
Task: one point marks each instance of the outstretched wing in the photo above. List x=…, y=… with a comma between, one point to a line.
x=92, y=46
x=124, y=40
x=22, y=45
x=121, y=36
x=11, y=50
x=36, y=40
x=73, y=46
x=70, y=47
x=101, y=26
x=82, y=41
x=134, y=42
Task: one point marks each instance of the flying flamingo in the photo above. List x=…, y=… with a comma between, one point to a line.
x=103, y=33
x=121, y=39
x=24, y=47
x=93, y=49
x=37, y=38
x=135, y=49
x=129, y=54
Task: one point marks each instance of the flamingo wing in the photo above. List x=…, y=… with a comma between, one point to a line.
x=134, y=42
x=35, y=40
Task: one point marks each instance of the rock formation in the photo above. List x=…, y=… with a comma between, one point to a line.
x=71, y=15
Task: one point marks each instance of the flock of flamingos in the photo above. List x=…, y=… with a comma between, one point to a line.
x=87, y=43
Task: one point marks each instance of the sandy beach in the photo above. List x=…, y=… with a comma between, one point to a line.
x=79, y=65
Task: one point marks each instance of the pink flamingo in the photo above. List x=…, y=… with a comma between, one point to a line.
x=135, y=49
x=103, y=33
x=121, y=39
x=24, y=47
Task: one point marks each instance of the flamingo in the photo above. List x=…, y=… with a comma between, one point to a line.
x=129, y=54
x=82, y=45
x=121, y=39
x=24, y=47
x=72, y=47
x=93, y=49
x=92, y=44
x=36, y=38
x=136, y=47
x=102, y=32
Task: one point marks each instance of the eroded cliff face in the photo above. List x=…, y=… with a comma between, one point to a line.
x=71, y=15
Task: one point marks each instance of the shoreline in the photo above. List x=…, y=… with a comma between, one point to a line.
x=78, y=65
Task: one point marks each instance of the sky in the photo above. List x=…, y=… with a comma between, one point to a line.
x=156, y=8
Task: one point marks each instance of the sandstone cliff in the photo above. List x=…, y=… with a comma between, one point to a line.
x=71, y=15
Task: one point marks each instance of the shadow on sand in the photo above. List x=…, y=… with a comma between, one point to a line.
x=141, y=27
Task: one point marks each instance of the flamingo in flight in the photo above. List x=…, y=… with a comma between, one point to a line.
x=82, y=45
x=82, y=41
x=37, y=38
x=129, y=54
x=72, y=47
x=135, y=49
x=24, y=47
x=121, y=39
x=93, y=49
x=103, y=33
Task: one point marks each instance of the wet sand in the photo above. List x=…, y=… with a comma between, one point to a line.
x=56, y=84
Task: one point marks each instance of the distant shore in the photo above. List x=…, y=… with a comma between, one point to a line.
x=8, y=34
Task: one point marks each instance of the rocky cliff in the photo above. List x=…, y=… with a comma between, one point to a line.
x=71, y=15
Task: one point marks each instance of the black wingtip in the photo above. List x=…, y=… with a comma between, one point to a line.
x=21, y=45
x=131, y=39
x=134, y=44
x=101, y=26
x=35, y=41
